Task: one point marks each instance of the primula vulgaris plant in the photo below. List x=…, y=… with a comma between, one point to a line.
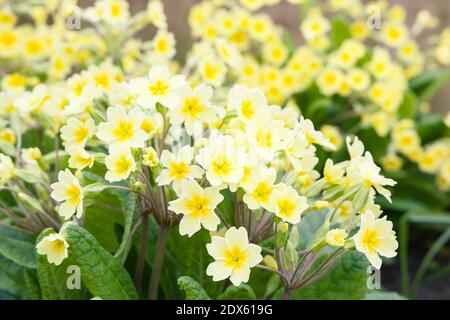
x=127, y=170
x=182, y=152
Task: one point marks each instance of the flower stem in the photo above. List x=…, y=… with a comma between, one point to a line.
x=287, y=293
x=142, y=253
x=158, y=263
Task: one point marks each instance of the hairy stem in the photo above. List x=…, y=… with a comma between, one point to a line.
x=158, y=263
x=142, y=253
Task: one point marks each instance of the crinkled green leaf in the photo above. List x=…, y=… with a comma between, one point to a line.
x=32, y=284
x=128, y=202
x=18, y=251
x=11, y=278
x=346, y=280
x=242, y=292
x=100, y=271
x=53, y=279
x=192, y=289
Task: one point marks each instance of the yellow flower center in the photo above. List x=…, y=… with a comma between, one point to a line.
x=370, y=239
x=57, y=245
x=162, y=45
x=211, y=71
x=81, y=133
x=262, y=192
x=123, y=165
x=34, y=47
x=192, y=107
x=159, y=88
x=73, y=194
x=235, y=257
x=198, y=206
x=221, y=165
x=178, y=170
x=8, y=39
x=124, y=131
x=247, y=109
x=286, y=207
x=116, y=10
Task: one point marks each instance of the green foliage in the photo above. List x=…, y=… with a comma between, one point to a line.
x=347, y=280
x=53, y=279
x=339, y=32
x=15, y=248
x=192, y=289
x=32, y=284
x=101, y=273
x=11, y=279
x=428, y=83
x=242, y=292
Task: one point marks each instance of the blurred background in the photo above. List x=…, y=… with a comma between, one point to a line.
x=178, y=10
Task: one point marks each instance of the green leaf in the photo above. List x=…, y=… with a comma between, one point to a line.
x=18, y=251
x=192, y=289
x=347, y=280
x=101, y=273
x=32, y=283
x=53, y=279
x=242, y=292
x=339, y=32
x=409, y=105
x=128, y=202
x=191, y=258
x=11, y=278
x=427, y=84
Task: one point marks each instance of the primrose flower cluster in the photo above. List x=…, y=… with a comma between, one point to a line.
x=221, y=145
x=263, y=154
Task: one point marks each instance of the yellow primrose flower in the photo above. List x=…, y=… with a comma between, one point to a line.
x=80, y=158
x=68, y=191
x=150, y=157
x=374, y=238
x=223, y=160
x=76, y=133
x=123, y=128
x=7, y=169
x=163, y=46
x=330, y=81
x=394, y=34
x=178, y=168
x=120, y=163
x=31, y=155
x=314, y=27
x=287, y=204
x=247, y=102
x=392, y=162
x=156, y=15
x=8, y=136
x=233, y=255
x=333, y=135
x=358, y=79
x=197, y=206
x=195, y=108
x=259, y=189
x=159, y=87
x=213, y=71
x=54, y=246
x=336, y=237
x=332, y=173
x=313, y=136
